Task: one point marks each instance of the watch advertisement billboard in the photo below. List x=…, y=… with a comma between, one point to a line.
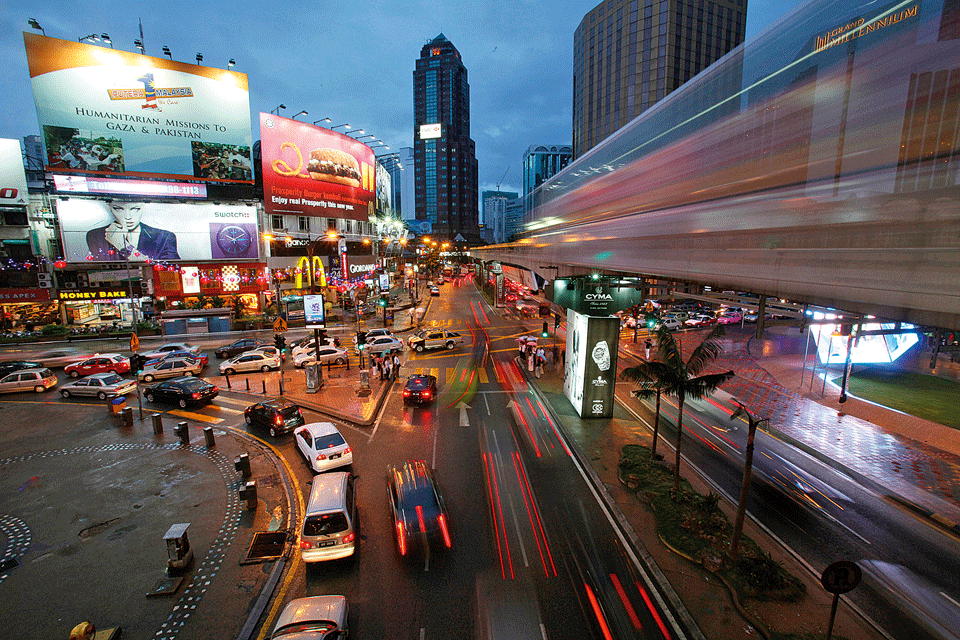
x=313, y=311
x=591, y=364
x=117, y=231
x=312, y=171
x=106, y=111
x=13, y=179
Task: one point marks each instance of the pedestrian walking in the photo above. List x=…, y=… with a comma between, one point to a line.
x=387, y=368
x=539, y=363
x=647, y=346
x=530, y=358
x=379, y=363
x=396, y=365
x=556, y=355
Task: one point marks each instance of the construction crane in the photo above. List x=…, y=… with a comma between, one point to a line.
x=502, y=178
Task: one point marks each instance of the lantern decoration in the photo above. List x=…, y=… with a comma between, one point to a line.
x=60, y=264
x=158, y=268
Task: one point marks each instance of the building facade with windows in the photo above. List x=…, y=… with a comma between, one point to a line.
x=495, y=214
x=629, y=54
x=444, y=154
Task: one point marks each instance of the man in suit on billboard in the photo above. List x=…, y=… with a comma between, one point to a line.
x=128, y=238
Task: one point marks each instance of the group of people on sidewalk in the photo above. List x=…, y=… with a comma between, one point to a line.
x=537, y=357
x=387, y=365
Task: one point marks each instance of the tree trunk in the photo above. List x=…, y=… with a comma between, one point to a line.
x=744, y=491
x=676, y=466
x=656, y=429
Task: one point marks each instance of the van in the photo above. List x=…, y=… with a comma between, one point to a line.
x=329, y=529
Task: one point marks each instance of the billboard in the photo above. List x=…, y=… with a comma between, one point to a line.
x=104, y=231
x=146, y=188
x=13, y=180
x=311, y=171
x=103, y=111
x=591, y=364
x=313, y=311
x=430, y=131
x=384, y=192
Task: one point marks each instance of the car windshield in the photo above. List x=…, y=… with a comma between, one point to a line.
x=325, y=524
x=329, y=440
x=418, y=383
x=111, y=379
x=194, y=384
x=311, y=627
x=289, y=412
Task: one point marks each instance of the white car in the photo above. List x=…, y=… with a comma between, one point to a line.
x=323, y=446
x=384, y=344
x=61, y=357
x=314, y=618
x=170, y=347
x=100, y=385
x=250, y=361
x=269, y=350
x=672, y=323
x=310, y=345
x=375, y=333
x=171, y=368
x=327, y=355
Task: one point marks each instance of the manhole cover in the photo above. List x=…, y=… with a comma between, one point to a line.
x=266, y=545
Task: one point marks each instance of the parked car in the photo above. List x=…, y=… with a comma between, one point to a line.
x=375, y=333
x=434, y=291
x=323, y=446
x=61, y=357
x=310, y=345
x=313, y=618
x=101, y=363
x=327, y=355
x=171, y=368
x=38, y=380
x=384, y=344
x=182, y=391
x=250, y=361
x=277, y=416
x=730, y=317
x=171, y=347
x=16, y=365
x=700, y=320
x=680, y=315
x=750, y=316
x=238, y=346
x=418, y=511
x=420, y=389
x=270, y=350
x=672, y=323
x=101, y=385
x=434, y=339
x=204, y=359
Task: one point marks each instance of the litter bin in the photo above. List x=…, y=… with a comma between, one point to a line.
x=117, y=404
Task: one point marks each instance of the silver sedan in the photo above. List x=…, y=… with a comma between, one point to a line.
x=101, y=385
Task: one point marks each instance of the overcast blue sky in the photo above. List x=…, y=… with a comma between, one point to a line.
x=352, y=62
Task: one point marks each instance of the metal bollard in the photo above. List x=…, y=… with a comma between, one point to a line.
x=248, y=383
x=242, y=464
x=157, y=423
x=264, y=387
x=181, y=432
x=208, y=435
x=249, y=493
x=228, y=380
x=126, y=417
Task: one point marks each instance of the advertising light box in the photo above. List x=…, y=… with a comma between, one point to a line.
x=430, y=131
x=313, y=311
x=591, y=364
x=311, y=171
x=100, y=231
x=13, y=180
x=104, y=111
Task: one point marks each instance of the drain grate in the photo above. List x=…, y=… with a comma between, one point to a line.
x=266, y=546
x=8, y=564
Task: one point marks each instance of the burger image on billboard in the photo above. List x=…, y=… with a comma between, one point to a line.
x=333, y=165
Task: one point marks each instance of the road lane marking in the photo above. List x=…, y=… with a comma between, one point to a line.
x=199, y=417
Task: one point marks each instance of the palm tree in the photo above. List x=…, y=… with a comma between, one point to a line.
x=753, y=422
x=654, y=378
x=683, y=379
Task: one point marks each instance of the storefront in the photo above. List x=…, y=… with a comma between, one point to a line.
x=22, y=307
x=112, y=306
x=211, y=285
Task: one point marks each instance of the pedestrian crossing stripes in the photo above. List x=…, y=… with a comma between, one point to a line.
x=452, y=374
x=442, y=323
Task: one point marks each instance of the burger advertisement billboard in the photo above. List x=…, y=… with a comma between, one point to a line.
x=105, y=111
x=311, y=171
x=105, y=231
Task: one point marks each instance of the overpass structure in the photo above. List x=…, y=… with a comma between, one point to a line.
x=819, y=163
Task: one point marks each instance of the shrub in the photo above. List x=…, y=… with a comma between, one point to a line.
x=53, y=330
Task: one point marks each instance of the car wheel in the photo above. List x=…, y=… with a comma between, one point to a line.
x=182, y=403
x=102, y=396
x=148, y=396
x=148, y=378
x=74, y=374
x=229, y=372
x=273, y=432
x=65, y=393
x=450, y=345
x=221, y=354
x=338, y=361
x=265, y=368
x=39, y=388
x=420, y=348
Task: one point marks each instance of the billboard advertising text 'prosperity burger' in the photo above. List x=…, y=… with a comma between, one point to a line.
x=311, y=171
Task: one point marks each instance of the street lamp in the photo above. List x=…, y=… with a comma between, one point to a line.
x=199, y=58
x=322, y=120
x=35, y=25
x=166, y=52
x=350, y=133
x=231, y=63
x=374, y=146
x=138, y=43
x=340, y=125
x=277, y=108
x=369, y=135
x=302, y=113
x=106, y=38
x=92, y=38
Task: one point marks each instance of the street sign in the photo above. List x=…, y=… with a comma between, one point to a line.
x=841, y=577
x=134, y=342
x=279, y=325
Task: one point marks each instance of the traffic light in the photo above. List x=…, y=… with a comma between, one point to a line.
x=321, y=336
x=556, y=321
x=546, y=332
x=382, y=302
x=279, y=341
x=361, y=339
x=136, y=363
x=650, y=320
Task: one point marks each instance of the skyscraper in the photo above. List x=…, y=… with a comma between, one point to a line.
x=444, y=154
x=540, y=163
x=629, y=54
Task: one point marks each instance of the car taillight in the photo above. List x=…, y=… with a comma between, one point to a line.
x=195, y=395
x=305, y=545
x=279, y=420
x=406, y=393
x=423, y=525
x=426, y=394
x=443, y=528
x=401, y=539
x=347, y=539
x=346, y=451
x=321, y=457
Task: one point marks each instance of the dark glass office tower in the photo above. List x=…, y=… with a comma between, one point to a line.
x=629, y=54
x=444, y=155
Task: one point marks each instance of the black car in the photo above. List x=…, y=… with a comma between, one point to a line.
x=277, y=416
x=16, y=365
x=420, y=389
x=183, y=391
x=238, y=346
x=418, y=513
